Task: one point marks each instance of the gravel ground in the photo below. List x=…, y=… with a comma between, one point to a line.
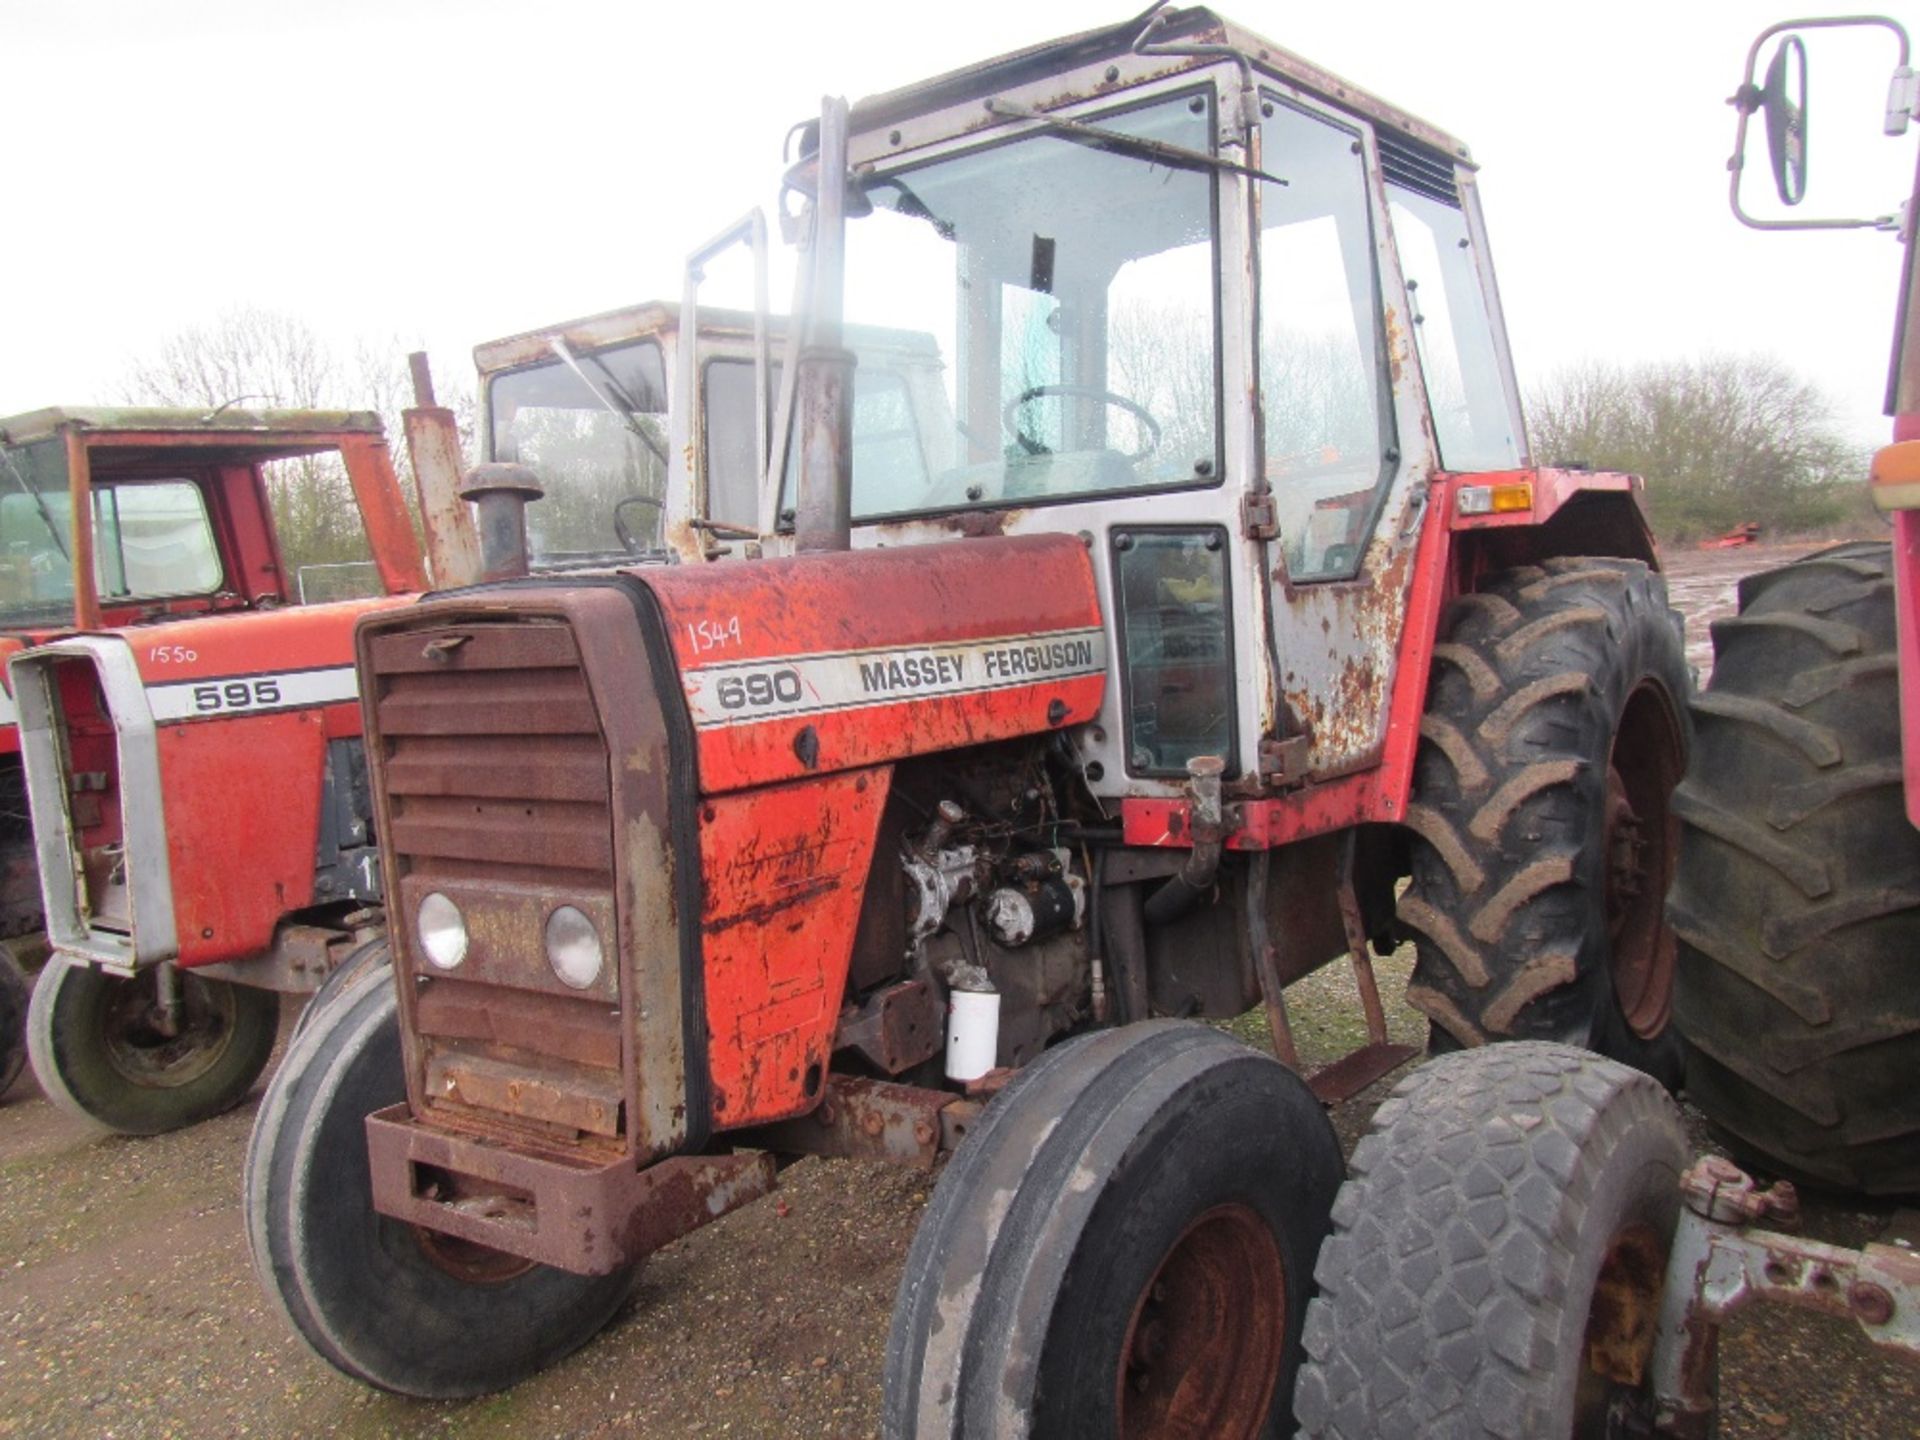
x=128, y=1307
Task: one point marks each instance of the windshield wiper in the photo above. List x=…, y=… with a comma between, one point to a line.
x=1177, y=157
x=612, y=398
x=46, y=515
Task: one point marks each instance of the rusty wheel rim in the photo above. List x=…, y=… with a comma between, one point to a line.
x=1610, y=1395
x=467, y=1262
x=1202, y=1350
x=143, y=1054
x=1641, y=835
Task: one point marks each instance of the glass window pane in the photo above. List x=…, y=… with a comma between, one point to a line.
x=36, y=575
x=1471, y=417
x=153, y=540
x=1049, y=304
x=1329, y=418
x=597, y=438
x=733, y=470
x=1172, y=589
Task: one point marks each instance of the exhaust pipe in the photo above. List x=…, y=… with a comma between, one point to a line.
x=1209, y=833
x=500, y=492
x=824, y=516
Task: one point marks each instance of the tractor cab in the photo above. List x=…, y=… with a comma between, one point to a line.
x=585, y=406
x=1230, y=318
x=117, y=517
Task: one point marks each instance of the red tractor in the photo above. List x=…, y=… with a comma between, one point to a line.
x=1154, y=576
x=1523, y=1246
x=188, y=738
x=1798, y=896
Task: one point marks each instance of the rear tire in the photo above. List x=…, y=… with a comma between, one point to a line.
x=1121, y=1248
x=98, y=1055
x=373, y=1297
x=1506, y=1225
x=1798, y=895
x=15, y=996
x=1543, y=837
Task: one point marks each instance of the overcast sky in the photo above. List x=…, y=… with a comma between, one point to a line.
x=437, y=174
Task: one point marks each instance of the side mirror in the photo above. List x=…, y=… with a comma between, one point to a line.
x=1783, y=101
x=1779, y=101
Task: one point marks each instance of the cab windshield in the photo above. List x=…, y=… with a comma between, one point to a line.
x=152, y=539
x=593, y=426
x=1064, y=290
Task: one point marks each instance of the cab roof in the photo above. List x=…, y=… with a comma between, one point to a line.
x=227, y=426
x=1184, y=27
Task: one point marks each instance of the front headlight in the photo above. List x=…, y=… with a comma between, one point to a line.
x=442, y=930
x=573, y=947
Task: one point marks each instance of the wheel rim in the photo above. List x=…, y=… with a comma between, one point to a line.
x=1641, y=838
x=145, y=1055
x=1611, y=1398
x=1202, y=1350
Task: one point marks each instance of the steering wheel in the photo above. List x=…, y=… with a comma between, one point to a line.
x=1011, y=416
x=628, y=542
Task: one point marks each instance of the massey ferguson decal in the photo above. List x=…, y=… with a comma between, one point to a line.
x=746, y=692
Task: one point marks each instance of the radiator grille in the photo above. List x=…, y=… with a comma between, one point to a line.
x=494, y=765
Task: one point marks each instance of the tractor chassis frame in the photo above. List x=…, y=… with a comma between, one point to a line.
x=1721, y=1263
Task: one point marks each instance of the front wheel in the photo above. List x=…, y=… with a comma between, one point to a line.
x=1499, y=1254
x=15, y=993
x=393, y=1306
x=102, y=1050
x=1121, y=1248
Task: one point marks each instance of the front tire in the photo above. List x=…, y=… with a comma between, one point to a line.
x=385, y=1303
x=1798, y=897
x=1121, y=1248
x=15, y=996
x=99, y=1054
x=1498, y=1255
x=1543, y=834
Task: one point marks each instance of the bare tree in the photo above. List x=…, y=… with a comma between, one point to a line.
x=1720, y=440
x=258, y=358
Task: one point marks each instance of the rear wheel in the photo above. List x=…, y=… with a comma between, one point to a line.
x=1122, y=1247
x=1543, y=833
x=102, y=1051
x=1498, y=1255
x=1798, y=896
x=15, y=993
x=390, y=1305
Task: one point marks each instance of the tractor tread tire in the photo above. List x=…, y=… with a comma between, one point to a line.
x=1506, y=903
x=1797, y=899
x=1454, y=1290
x=1069, y=1187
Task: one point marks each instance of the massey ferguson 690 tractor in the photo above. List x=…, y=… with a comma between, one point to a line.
x=195, y=754
x=1217, y=594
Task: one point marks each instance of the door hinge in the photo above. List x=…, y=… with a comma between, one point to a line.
x=1284, y=762
x=1258, y=519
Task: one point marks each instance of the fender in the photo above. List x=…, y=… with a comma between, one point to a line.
x=1565, y=512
